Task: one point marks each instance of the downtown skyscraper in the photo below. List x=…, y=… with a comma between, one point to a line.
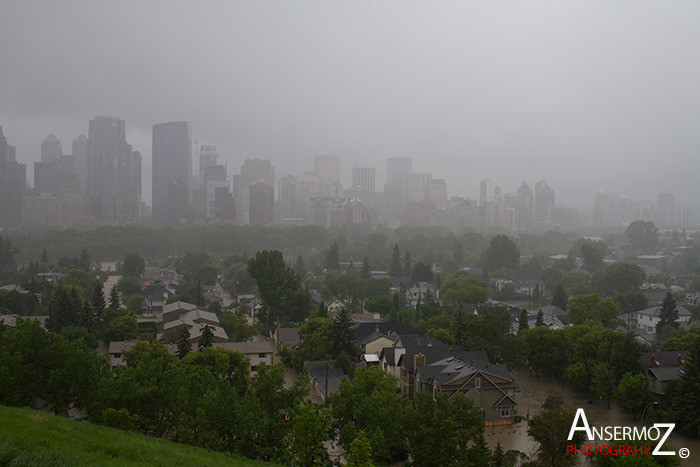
x=172, y=164
x=114, y=172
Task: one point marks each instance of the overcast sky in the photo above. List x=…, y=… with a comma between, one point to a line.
x=587, y=95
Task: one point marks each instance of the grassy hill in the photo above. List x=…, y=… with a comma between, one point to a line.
x=28, y=437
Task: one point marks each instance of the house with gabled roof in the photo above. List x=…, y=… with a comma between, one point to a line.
x=325, y=377
x=662, y=368
x=490, y=387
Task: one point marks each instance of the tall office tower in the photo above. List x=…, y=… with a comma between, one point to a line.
x=111, y=186
x=213, y=180
x=525, y=205
x=418, y=182
x=544, y=202
x=664, y=209
x=135, y=170
x=398, y=192
x=172, y=164
x=487, y=192
x=262, y=203
x=80, y=162
x=624, y=210
x=327, y=169
x=207, y=156
x=252, y=170
x=286, y=202
x=13, y=184
x=364, y=177
x=436, y=191
x=51, y=149
x=56, y=177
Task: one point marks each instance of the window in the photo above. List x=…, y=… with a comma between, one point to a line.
x=262, y=355
x=477, y=383
x=117, y=355
x=505, y=411
x=253, y=368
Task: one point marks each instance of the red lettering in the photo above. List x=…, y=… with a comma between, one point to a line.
x=569, y=448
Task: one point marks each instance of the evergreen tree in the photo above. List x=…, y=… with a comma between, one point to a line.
x=559, y=297
x=84, y=262
x=540, y=319
x=332, y=259
x=343, y=335
x=458, y=252
x=44, y=256
x=522, y=321
x=686, y=394
x=184, y=346
x=300, y=268
x=197, y=293
x=407, y=264
x=366, y=273
x=395, y=262
x=668, y=313
x=322, y=310
x=65, y=308
x=114, y=298
x=207, y=339
x=460, y=328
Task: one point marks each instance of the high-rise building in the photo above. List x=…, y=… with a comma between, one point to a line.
x=13, y=184
x=252, y=170
x=51, y=149
x=172, y=164
x=364, y=178
x=398, y=186
x=80, y=162
x=418, y=182
x=262, y=203
x=436, y=191
x=525, y=205
x=213, y=179
x=487, y=192
x=112, y=168
x=327, y=169
x=544, y=202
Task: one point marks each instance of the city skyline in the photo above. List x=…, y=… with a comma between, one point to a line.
x=577, y=95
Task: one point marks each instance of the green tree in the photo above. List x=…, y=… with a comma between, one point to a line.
x=442, y=430
x=458, y=252
x=618, y=278
x=539, y=321
x=395, y=262
x=668, y=314
x=592, y=254
x=343, y=335
x=8, y=266
x=207, y=338
x=283, y=297
x=121, y=328
x=85, y=261
x=133, y=265
x=114, y=298
x=686, y=394
x=422, y=273
x=44, y=256
x=642, y=235
x=522, y=321
x=97, y=300
x=129, y=285
x=407, y=264
x=501, y=253
x=332, y=259
x=559, y=297
x=300, y=268
x=184, y=346
x=315, y=341
x=550, y=429
x=310, y=429
x=461, y=289
x=593, y=307
x=360, y=452
x=632, y=393
x=65, y=308
x=366, y=272
x=370, y=402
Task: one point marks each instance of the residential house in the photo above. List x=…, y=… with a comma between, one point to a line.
x=654, y=292
x=179, y=315
x=648, y=318
x=257, y=352
x=116, y=351
x=413, y=358
x=10, y=320
x=490, y=387
x=325, y=377
x=662, y=368
x=420, y=293
x=154, y=275
x=284, y=337
x=154, y=299
x=692, y=299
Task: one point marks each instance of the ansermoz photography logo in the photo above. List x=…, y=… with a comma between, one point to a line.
x=621, y=440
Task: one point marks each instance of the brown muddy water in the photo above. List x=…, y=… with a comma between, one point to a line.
x=515, y=437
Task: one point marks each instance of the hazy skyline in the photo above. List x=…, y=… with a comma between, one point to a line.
x=586, y=95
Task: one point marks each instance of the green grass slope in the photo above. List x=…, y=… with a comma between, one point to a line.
x=32, y=438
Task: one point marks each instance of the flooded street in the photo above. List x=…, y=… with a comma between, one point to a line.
x=515, y=437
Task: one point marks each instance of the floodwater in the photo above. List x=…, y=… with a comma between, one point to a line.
x=535, y=391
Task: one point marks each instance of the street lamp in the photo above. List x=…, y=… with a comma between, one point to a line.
x=641, y=423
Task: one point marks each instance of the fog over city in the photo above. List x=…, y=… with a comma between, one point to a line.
x=586, y=95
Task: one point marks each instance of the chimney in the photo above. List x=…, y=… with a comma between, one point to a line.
x=418, y=361
x=680, y=359
x=653, y=362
